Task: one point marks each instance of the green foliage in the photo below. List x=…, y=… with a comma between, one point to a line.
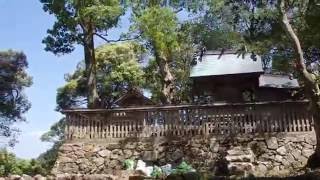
x=183, y=168
x=259, y=25
x=129, y=164
x=159, y=27
x=157, y=172
x=10, y=164
x=55, y=135
x=13, y=102
x=118, y=71
x=170, y=43
x=176, y=5
x=119, y=64
x=73, y=17
x=47, y=159
x=56, y=132
x=78, y=22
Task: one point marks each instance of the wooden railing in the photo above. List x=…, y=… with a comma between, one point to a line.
x=188, y=120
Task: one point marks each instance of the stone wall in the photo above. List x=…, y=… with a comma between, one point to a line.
x=260, y=155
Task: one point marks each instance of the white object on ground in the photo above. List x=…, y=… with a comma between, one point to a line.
x=142, y=167
x=167, y=169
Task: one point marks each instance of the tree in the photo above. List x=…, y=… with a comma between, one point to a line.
x=159, y=27
x=10, y=164
x=309, y=77
x=287, y=27
x=180, y=66
x=78, y=22
x=118, y=70
x=13, y=102
x=56, y=136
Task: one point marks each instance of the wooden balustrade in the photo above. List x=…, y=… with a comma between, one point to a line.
x=188, y=120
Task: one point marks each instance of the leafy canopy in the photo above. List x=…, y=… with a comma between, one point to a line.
x=55, y=135
x=13, y=102
x=10, y=164
x=259, y=24
x=180, y=64
x=171, y=45
x=158, y=26
x=118, y=70
x=74, y=17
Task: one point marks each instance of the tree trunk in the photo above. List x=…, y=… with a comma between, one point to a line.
x=90, y=61
x=311, y=86
x=168, y=89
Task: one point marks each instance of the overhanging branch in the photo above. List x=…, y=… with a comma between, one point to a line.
x=297, y=46
x=116, y=40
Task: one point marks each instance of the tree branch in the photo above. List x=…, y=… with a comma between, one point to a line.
x=297, y=46
x=116, y=40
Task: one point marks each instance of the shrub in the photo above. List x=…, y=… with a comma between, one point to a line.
x=10, y=164
x=183, y=168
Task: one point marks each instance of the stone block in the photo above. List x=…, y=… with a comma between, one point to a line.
x=272, y=143
x=113, y=164
x=307, y=152
x=296, y=154
x=88, y=147
x=240, y=168
x=149, y=156
x=39, y=177
x=260, y=170
x=307, y=145
x=278, y=158
x=116, y=154
x=26, y=177
x=127, y=153
x=65, y=159
x=66, y=148
x=310, y=140
x=130, y=145
x=98, y=161
x=266, y=157
x=236, y=151
x=285, y=162
x=105, y=153
x=282, y=150
x=290, y=158
x=176, y=155
x=274, y=171
x=14, y=177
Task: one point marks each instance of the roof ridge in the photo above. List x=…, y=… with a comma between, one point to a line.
x=277, y=75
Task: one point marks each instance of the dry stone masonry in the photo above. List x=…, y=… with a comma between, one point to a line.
x=260, y=155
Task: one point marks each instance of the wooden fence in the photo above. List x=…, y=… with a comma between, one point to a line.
x=188, y=120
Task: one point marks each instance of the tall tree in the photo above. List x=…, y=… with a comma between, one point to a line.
x=288, y=27
x=13, y=102
x=158, y=26
x=309, y=77
x=118, y=70
x=78, y=22
x=181, y=61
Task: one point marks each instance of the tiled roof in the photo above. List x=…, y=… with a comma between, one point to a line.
x=277, y=81
x=213, y=63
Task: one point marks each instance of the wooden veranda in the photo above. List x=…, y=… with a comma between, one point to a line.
x=188, y=120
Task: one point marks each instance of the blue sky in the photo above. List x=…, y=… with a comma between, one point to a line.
x=23, y=25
